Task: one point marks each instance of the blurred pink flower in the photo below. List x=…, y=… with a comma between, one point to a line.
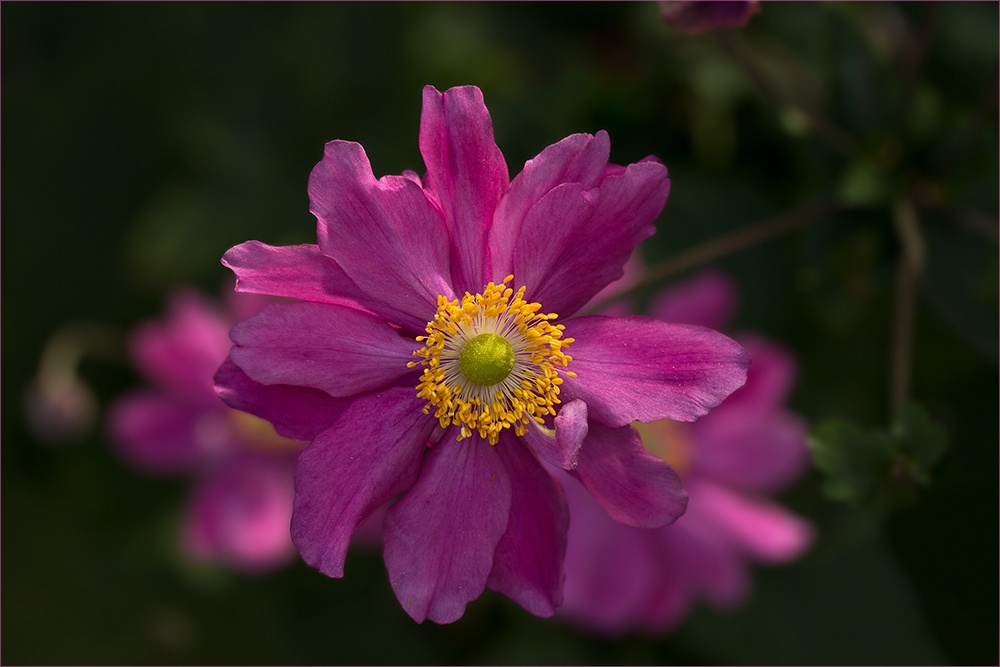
x=697, y=16
x=619, y=577
x=241, y=505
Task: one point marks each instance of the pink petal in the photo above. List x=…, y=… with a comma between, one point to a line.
x=609, y=567
x=299, y=413
x=579, y=158
x=559, y=446
x=527, y=564
x=770, y=378
x=154, y=432
x=240, y=513
x=750, y=448
x=466, y=176
x=340, y=350
x=635, y=487
x=637, y=368
x=758, y=527
x=574, y=242
x=707, y=300
x=181, y=352
x=370, y=455
x=385, y=234
x=441, y=536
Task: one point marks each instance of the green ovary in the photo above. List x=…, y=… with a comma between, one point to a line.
x=486, y=359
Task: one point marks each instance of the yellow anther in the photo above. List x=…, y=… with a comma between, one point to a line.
x=508, y=375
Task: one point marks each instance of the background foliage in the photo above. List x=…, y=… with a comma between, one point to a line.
x=143, y=140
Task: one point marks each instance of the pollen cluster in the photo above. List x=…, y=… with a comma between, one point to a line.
x=488, y=327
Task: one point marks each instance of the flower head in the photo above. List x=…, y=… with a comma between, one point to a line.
x=619, y=577
x=241, y=505
x=431, y=358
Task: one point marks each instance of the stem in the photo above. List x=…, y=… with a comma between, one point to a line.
x=828, y=132
x=908, y=268
x=721, y=246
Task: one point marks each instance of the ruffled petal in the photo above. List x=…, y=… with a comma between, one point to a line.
x=579, y=158
x=635, y=487
x=528, y=562
x=385, y=234
x=559, y=445
x=466, y=176
x=441, y=536
x=636, y=368
x=370, y=455
x=340, y=350
x=154, y=432
x=304, y=272
x=707, y=300
x=240, y=513
x=299, y=413
x=574, y=242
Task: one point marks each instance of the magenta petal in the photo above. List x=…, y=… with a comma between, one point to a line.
x=385, y=234
x=635, y=487
x=370, y=455
x=441, y=536
x=304, y=272
x=559, y=446
x=340, y=350
x=708, y=300
x=637, y=368
x=154, y=432
x=466, y=176
x=299, y=413
x=579, y=158
x=241, y=511
x=559, y=268
x=528, y=563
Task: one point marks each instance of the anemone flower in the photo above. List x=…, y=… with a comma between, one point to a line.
x=618, y=577
x=241, y=505
x=432, y=346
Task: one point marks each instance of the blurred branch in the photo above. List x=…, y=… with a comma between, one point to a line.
x=746, y=237
x=976, y=222
x=908, y=267
x=914, y=60
x=828, y=132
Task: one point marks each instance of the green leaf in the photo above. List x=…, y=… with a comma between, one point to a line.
x=852, y=461
x=920, y=442
x=861, y=466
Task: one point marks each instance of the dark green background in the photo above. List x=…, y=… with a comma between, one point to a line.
x=140, y=141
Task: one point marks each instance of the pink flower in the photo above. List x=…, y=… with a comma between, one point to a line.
x=619, y=577
x=697, y=16
x=241, y=506
x=421, y=365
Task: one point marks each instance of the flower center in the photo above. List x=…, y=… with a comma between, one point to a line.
x=490, y=362
x=486, y=359
x=670, y=440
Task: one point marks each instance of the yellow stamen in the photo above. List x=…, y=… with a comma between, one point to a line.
x=490, y=362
